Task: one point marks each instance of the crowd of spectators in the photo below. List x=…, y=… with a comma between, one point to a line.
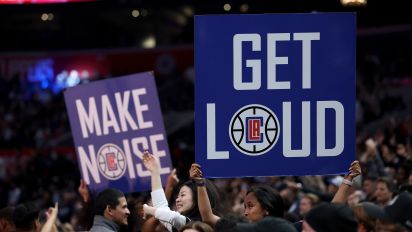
x=34, y=118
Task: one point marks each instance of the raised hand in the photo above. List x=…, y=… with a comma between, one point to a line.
x=371, y=147
x=151, y=162
x=195, y=172
x=52, y=211
x=341, y=196
x=50, y=225
x=84, y=191
x=354, y=170
x=203, y=201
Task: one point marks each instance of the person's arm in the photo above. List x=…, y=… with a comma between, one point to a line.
x=380, y=166
x=50, y=225
x=87, y=210
x=344, y=190
x=203, y=202
x=373, y=161
x=172, y=181
x=84, y=191
x=166, y=216
x=151, y=163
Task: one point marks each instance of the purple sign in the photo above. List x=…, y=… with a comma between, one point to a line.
x=113, y=121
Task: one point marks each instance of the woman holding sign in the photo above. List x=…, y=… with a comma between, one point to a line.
x=264, y=201
x=186, y=202
x=260, y=201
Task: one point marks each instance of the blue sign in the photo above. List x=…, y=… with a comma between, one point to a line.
x=113, y=122
x=275, y=94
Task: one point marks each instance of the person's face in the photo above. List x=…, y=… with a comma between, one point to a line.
x=253, y=210
x=121, y=212
x=304, y=206
x=383, y=195
x=184, y=200
x=387, y=154
x=307, y=228
x=369, y=187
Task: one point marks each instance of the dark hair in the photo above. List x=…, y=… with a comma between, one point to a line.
x=405, y=188
x=269, y=199
x=363, y=218
x=193, y=213
x=199, y=226
x=389, y=184
x=107, y=197
x=25, y=215
x=370, y=177
x=228, y=223
x=327, y=217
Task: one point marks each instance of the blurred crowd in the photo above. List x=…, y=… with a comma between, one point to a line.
x=35, y=118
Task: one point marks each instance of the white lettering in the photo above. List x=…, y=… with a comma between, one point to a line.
x=140, y=108
x=123, y=109
x=88, y=165
x=274, y=60
x=141, y=144
x=306, y=39
x=321, y=128
x=159, y=153
x=142, y=141
x=109, y=119
x=238, y=83
x=88, y=122
x=287, y=131
x=211, y=135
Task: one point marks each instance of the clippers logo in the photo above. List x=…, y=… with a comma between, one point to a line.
x=254, y=130
x=112, y=161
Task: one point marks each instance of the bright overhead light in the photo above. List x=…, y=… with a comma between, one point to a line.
x=135, y=13
x=227, y=7
x=149, y=42
x=353, y=2
x=44, y=17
